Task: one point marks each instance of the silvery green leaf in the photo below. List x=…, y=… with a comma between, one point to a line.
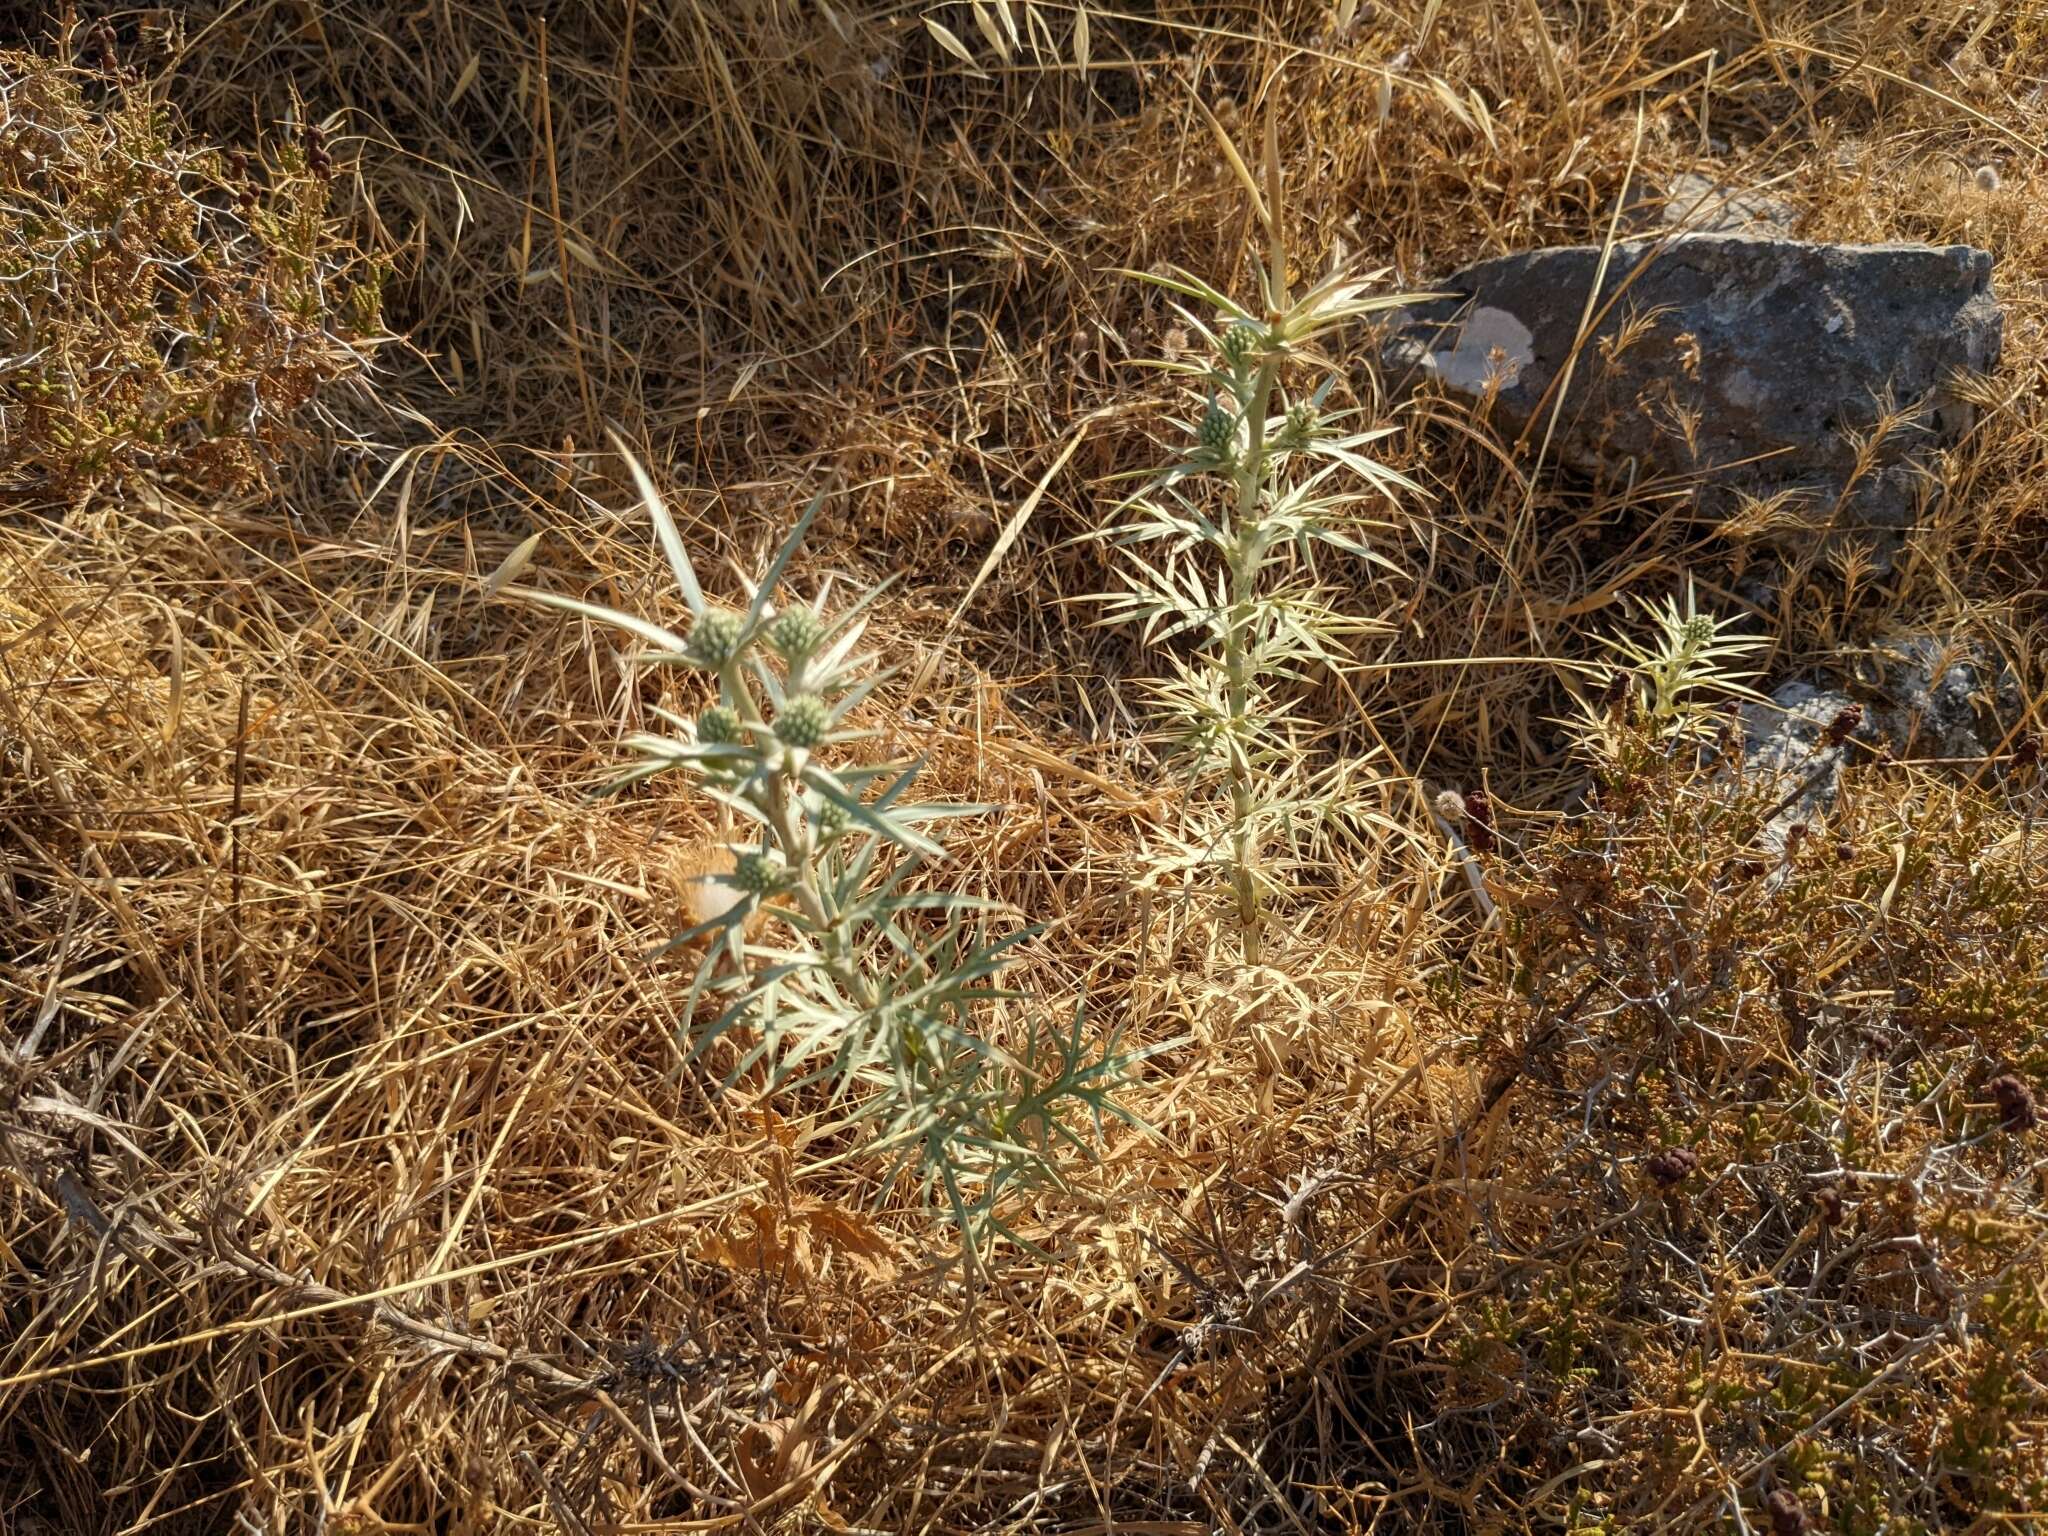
x=732, y=917
x=780, y=563
x=952, y=902
x=630, y=777
x=1200, y=326
x=872, y=819
x=853, y=697
x=853, y=611
x=654, y=634
x=739, y=800
x=1339, y=540
x=664, y=526
x=1190, y=370
x=1190, y=286
x=659, y=746
x=1379, y=475
x=764, y=675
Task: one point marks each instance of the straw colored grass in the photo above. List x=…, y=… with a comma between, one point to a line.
x=352, y=1177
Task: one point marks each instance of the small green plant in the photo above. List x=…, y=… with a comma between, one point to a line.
x=1673, y=685
x=873, y=998
x=1230, y=535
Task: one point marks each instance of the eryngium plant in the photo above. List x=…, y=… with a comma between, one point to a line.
x=1677, y=680
x=873, y=995
x=1231, y=532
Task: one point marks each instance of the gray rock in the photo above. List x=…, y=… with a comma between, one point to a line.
x=1924, y=694
x=1693, y=203
x=1933, y=692
x=1784, y=749
x=1748, y=365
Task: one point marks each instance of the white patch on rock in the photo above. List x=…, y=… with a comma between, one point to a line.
x=1491, y=343
x=1741, y=389
x=1785, y=752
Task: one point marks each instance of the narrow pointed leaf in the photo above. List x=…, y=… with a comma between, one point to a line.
x=781, y=561
x=513, y=564
x=664, y=526
x=654, y=634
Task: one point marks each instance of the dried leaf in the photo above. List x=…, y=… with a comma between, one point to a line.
x=869, y=1250
x=466, y=79
x=771, y=1454
x=175, y=713
x=1242, y=171
x=803, y=1238
x=1038, y=32
x=948, y=41
x=513, y=564
x=987, y=25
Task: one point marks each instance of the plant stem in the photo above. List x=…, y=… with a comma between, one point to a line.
x=1245, y=558
x=800, y=851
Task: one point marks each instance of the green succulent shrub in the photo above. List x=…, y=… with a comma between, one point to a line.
x=166, y=306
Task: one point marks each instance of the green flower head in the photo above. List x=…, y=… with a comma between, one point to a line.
x=759, y=873
x=795, y=634
x=1302, y=421
x=1240, y=344
x=803, y=720
x=1218, y=432
x=715, y=639
x=828, y=818
x=718, y=726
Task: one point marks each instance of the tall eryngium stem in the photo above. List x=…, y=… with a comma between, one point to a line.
x=1266, y=623
x=831, y=968
x=1233, y=528
x=1238, y=641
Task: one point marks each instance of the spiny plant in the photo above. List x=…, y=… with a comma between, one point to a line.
x=873, y=996
x=1230, y=536
x=1672, y=684
x=166, y=307
x=1751, y=1077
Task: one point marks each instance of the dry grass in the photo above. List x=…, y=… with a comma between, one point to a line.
x=355, y=1181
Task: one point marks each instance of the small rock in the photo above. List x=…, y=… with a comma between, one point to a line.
x=1748, y=365
x=1925, y=695
x=1932, y=690
x=1795, y=746
x=1700, y=205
